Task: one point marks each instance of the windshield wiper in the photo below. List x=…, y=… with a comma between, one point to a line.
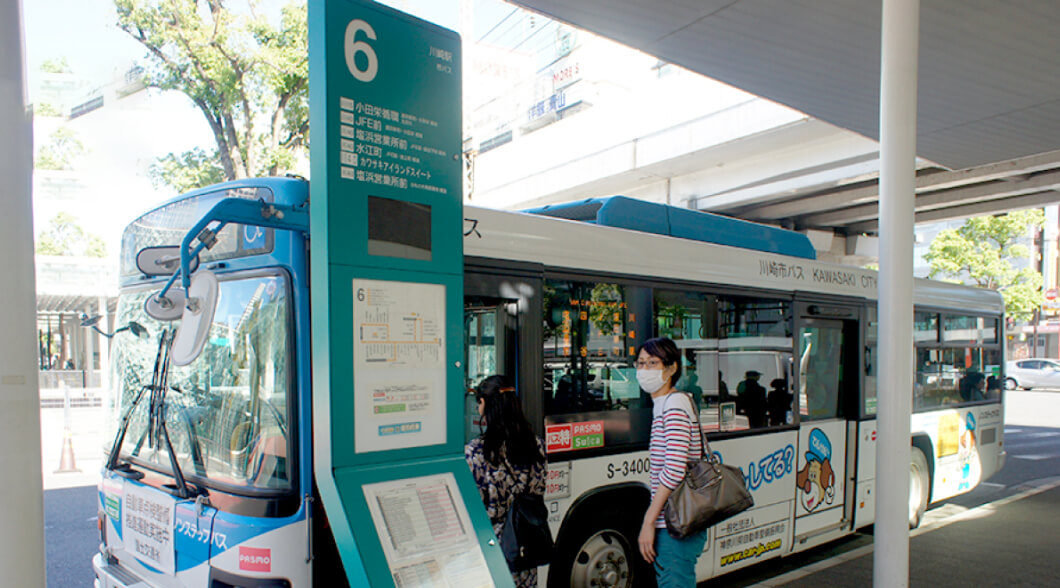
x=115, y=450
x=193, y=436
x=156, y=428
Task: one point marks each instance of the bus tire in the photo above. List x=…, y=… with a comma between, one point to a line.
x=602, y=552
x=919, y=487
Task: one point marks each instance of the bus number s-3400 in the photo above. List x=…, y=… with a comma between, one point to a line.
x=628, y=467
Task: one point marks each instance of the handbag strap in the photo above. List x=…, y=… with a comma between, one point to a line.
x=704, y=448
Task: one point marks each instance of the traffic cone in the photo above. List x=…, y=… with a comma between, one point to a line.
x=67, y=463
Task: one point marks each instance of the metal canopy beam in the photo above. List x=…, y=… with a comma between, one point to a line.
x=978, y=209
x=952, y=199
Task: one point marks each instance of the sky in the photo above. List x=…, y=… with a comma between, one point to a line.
x=121, y=145
x=85, y=33
x=82, y=31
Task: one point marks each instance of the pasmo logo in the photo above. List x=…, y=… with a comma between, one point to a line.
x=255, y=559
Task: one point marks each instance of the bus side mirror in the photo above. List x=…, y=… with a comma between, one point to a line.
x=196, y=318
x=162, y=261
x=166, y=308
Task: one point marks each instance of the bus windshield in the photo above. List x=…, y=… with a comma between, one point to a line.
x=226, y=413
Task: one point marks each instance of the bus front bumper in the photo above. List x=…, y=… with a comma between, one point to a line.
x=114, y=575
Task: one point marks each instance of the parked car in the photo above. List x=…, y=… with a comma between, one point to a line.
x=1032, y=373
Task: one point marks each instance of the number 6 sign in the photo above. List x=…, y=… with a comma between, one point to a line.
x=353, y=47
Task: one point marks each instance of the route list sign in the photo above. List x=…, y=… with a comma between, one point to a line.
x=387, y=220
x=388, y=137
x=426, y=533
x=398, y=364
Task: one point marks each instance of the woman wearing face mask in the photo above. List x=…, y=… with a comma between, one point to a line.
x=674, y=441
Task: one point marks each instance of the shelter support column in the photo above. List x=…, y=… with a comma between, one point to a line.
x=898, y=91
x=88, y=363
x=104, y=347
x=22, y=509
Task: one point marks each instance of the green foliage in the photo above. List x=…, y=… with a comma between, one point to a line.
x=46, y=109
x=605, y=311
x=187, y=171
x=65, y=237
x=248, y=77
x=62, y=149
x=58, y=66
x=982, y=250
x=670, y=320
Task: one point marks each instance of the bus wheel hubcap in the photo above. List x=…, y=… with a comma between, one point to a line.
x=603, y=561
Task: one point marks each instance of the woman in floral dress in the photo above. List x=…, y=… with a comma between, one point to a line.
x=507, y=459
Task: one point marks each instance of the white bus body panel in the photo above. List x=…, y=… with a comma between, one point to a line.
x=563, y=244
x=965, y=441
x=768, y=461
x=966, y=451
x=865, y=502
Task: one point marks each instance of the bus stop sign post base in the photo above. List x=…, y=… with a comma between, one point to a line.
x=387, y=298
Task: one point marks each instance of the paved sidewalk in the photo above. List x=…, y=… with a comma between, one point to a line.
x=1010, y=542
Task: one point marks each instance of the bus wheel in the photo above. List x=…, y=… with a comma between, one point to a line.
x=605, y=557
x=919, y=487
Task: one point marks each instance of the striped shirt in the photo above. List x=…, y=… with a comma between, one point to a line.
x=674, y=441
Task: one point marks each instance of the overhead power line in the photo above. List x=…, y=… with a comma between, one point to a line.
x=499, y=23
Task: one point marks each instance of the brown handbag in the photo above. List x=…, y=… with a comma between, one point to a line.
x=709, y=493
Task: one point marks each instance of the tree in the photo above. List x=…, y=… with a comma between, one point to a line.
x=46, y=109
x=247, y=77
x=57, y=66
x=187, y=171
x=65, y=237
x=982, y=251
x=62, y=148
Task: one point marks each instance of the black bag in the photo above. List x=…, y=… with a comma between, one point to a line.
x=709, y=493
x=525, y=538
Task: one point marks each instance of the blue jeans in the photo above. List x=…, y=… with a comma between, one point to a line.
x=675, y=559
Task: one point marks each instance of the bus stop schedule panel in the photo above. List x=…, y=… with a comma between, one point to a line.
x=387, y=293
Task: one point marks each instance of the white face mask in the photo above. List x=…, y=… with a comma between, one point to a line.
x=650, y=380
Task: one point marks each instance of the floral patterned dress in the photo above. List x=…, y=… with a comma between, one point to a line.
x=498, y=485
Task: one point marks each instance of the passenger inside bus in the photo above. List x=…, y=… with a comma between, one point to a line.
x=973, y=386
x=723, y=390
x=778, y=402
x=993, y=387
x=751, y=399
x=689, y=382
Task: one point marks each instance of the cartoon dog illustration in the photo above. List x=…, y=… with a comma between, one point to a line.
x=816, y=480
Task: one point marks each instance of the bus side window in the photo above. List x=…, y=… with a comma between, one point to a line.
x=591, y=331
x=736, y=356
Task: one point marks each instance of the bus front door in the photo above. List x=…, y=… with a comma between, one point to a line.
x=828, y=385
x=490, y=339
